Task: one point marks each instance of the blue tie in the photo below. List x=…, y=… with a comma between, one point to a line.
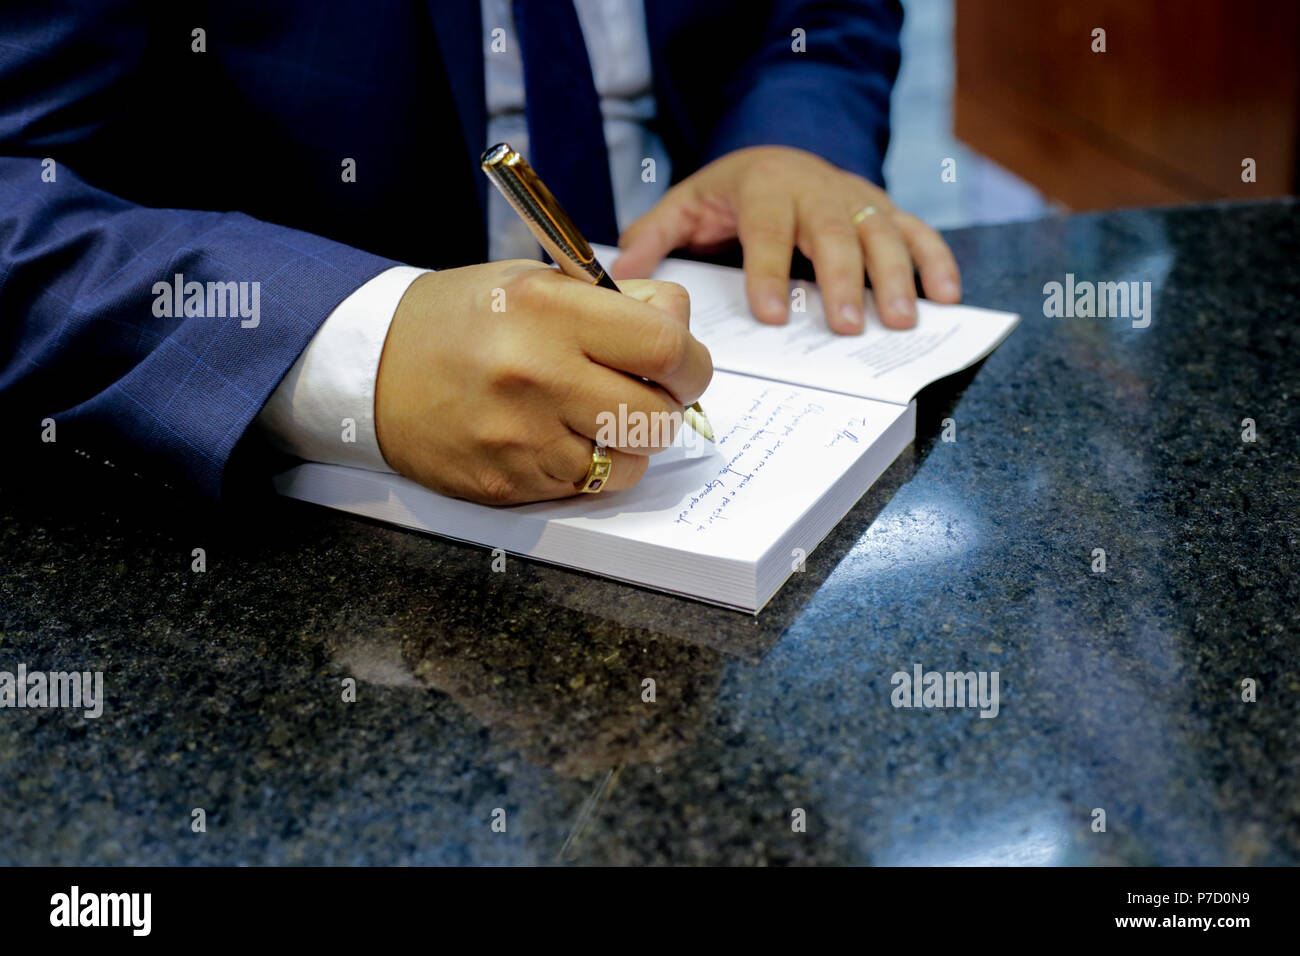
x=566, y=137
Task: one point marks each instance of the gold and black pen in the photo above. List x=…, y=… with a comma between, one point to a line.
x=555, y=231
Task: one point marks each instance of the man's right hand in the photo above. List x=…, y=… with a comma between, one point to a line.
x=503, y=406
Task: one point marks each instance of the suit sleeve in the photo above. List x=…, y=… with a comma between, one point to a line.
x=90, y=339
x=831, y=97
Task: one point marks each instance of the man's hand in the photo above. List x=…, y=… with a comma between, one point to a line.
x=773, y=199
x=502, y=406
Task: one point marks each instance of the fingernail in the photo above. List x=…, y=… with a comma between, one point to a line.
x=851, y=316
x=774, y=307
x=952, y=288
x=904, y=309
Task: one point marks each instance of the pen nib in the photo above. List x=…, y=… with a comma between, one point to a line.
x=696, y=418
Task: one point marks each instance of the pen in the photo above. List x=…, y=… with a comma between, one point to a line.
x=553, y=228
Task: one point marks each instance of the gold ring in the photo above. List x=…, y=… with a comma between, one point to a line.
x=597, y=473
x=863, y=213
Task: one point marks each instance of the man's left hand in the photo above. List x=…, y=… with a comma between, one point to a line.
x=774, y=198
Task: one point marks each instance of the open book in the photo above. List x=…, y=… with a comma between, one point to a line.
x=804, y=422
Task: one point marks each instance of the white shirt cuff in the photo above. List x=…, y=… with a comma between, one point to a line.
x=324, y=409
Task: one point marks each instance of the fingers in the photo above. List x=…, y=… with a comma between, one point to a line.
x=890, y=267
x=644, y=244
x=765, y=225
x=668, y=297
x=566, y=460
x=616, y=330
x=554, y=467
x=830, y=240
x=651, y=343
x=940, y=277
x=621, y=412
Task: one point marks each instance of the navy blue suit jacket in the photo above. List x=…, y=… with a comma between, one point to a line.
x=226, y=166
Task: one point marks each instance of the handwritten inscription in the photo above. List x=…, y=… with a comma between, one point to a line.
x=750, y=445
x=847, y=433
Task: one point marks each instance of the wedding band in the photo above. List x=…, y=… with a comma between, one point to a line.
x=597, y=473
x=863, y=213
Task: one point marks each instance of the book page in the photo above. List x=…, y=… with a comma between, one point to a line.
x=779, y=449
x=880, y=363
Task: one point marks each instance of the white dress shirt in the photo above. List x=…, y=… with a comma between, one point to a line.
x=324, y=409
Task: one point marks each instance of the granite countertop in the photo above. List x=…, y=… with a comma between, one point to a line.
x=523, y=690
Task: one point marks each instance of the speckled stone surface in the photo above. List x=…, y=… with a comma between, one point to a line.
x=523, y=690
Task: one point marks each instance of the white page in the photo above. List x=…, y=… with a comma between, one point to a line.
x=720, y=507
x=880, y=363
x=777, y=449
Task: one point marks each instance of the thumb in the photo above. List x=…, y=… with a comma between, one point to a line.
x=646, y=242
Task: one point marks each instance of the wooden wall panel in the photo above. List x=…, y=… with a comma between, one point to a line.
x=1184, y=91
